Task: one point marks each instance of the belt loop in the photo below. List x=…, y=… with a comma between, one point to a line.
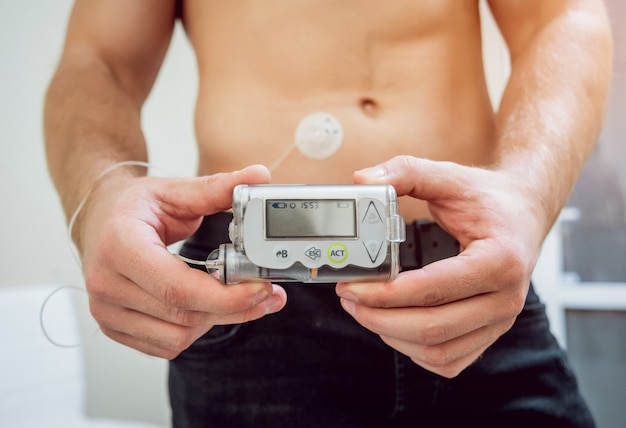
x=411, y=249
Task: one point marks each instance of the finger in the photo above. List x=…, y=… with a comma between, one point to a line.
x=435, y=325
x=180, y=286
x=433, y=285
x=139, y=345
x=170, y=280
x=146, y=334
x=450, y=358
x=143, y=259
x=156, y=336
x=131, y=296
x=183, y=202
x=192, y=197
x=419, y=178
x=124, y=293
x=441, y=282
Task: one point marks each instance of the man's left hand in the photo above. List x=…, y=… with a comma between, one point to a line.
x=446, y=314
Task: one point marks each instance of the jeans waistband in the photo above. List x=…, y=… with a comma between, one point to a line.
x=425, y=243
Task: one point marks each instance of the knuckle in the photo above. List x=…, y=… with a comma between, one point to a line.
x=170, y=355
x=370, y=320
x=93, y=283
x=513, y=273
x=234, y=306
x=111, y=334
x=450, y=371
x=99, y=313
x=432, y=334
x=381, y=301
x=187, y=317
x=406, y=162
x=172, y=352
x=439, y=358
x=182, y=317
x=179, y=343
x=504, y=327
x=512, y=266
x=97, y=287
x=174, y=296
x=515, y=303
x=514, y=283
x=383, y=298
x=435, y=296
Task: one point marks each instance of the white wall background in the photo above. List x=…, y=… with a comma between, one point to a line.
x=121, y=383
x=33, y=230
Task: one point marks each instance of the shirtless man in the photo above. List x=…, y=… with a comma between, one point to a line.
x=405, y=79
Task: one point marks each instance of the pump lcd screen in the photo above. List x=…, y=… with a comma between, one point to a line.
x=310, y=218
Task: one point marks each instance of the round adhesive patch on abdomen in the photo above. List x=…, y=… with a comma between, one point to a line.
x=319, y=135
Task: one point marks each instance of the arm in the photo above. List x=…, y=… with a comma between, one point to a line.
x=553, y=108
x=140, y=294
x=112, y=54
x=445, y=315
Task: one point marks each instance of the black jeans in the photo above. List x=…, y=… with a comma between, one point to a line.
x=312, y=365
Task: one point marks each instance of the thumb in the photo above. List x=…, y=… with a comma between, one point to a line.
x=420, y=178
x=200, y=196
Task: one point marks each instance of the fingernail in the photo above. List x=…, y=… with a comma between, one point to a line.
x=375, y=171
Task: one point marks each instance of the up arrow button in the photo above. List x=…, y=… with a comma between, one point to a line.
x=372, y=215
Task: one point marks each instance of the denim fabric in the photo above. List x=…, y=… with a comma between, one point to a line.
x=312, y=365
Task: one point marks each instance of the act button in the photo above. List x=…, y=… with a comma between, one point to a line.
x=337, y=253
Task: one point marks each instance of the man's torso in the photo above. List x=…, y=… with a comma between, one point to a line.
x=402, y=78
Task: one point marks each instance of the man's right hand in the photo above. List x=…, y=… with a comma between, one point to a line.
x=140, y=294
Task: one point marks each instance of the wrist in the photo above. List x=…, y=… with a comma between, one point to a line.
x=537, y=196
x=109, y=178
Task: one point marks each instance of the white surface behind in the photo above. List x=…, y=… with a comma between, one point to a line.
x=42, y=385
x=121, y=383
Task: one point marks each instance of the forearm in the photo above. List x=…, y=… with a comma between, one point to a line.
x=90, y=122
x=552, y=110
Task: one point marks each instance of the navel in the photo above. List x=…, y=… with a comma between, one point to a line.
x=369, y=106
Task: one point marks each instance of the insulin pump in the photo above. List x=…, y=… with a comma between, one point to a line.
x=311, y=234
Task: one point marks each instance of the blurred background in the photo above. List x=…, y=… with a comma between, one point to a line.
x=581, y=274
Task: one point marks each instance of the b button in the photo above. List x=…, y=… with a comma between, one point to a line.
x=281, y=254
